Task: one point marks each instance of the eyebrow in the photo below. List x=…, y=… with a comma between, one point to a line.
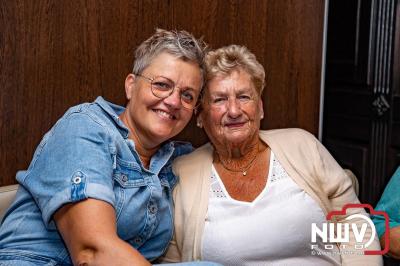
x=175, y=84
x=245, y=90
x=239, y=91
x=188, y=89
x=185, y=87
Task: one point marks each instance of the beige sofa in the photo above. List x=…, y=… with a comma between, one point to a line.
x=7, y=195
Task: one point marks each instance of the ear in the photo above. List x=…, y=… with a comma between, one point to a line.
x=129, y=85
x=261, y=106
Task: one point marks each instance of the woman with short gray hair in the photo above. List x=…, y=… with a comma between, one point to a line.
x=98, y=189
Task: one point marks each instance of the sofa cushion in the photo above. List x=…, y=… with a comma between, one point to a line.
x=7, y=195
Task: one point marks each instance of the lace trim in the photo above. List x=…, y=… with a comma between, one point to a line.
x=216, y=191
x=215, y=188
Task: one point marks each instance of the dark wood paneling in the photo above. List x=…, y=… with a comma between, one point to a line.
x=362, y=109
x=293, y=63
x=360, y=83
x=396, y=135
x=352, y=156
x=348, y=49
x=341, y=102
x=393, y=161
x=396, y=108
x=344, y=127
x=55, y=54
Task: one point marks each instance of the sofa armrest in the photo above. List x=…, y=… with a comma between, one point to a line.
x=354, y=180
x=7, y=196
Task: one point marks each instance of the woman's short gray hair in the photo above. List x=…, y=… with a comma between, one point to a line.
x=181, y=44
x=225, y=60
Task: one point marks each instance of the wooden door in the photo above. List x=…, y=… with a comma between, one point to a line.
x=360, y=91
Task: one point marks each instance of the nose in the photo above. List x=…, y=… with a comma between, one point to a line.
x=234, y=109
x=174, y=100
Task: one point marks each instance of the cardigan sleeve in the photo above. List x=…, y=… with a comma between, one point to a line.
x=173, y=253
x=338, y=187
x=190, y=204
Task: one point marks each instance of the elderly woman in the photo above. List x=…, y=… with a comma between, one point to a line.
x=250, y=197
x=98, y=190
x=390, y=203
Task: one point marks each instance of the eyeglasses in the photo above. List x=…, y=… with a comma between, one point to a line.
x=162, y=87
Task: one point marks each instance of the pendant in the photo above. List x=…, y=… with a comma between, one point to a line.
x=244, y=173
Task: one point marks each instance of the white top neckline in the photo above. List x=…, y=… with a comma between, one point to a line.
x=259, y=196
x=273, y=229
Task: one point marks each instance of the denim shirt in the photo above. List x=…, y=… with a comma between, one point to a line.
x=87, y=154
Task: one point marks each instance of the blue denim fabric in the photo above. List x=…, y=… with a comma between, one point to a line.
x=389, y=203
x=87, y=154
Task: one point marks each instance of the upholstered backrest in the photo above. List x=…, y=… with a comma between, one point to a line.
x=7, y=195
x=354, y=180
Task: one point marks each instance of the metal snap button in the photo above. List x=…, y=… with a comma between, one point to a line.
x=153, y=209
x=124, y=178
x=77, y=180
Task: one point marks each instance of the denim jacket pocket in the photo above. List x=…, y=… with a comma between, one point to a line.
x=128, y=183
x=133, y=196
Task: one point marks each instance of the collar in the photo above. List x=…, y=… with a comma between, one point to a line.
x=113, y=110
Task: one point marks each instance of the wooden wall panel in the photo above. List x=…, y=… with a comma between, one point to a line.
x=294, y=49
x=55, y=54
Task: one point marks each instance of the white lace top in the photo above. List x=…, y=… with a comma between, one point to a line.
x=274, y=229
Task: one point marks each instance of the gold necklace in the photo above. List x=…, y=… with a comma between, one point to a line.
x=244, y=169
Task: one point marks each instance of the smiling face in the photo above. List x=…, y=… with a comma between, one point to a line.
x=154, y=120
x=232, y=110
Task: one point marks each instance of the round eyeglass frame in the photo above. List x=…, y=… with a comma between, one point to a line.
x=184, y=104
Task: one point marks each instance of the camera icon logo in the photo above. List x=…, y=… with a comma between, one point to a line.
x=340, y=232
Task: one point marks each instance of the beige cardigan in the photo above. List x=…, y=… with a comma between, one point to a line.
x=306, y=161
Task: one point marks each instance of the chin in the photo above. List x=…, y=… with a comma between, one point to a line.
x=164, y=134
x=239, y=134
x=236, y=140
